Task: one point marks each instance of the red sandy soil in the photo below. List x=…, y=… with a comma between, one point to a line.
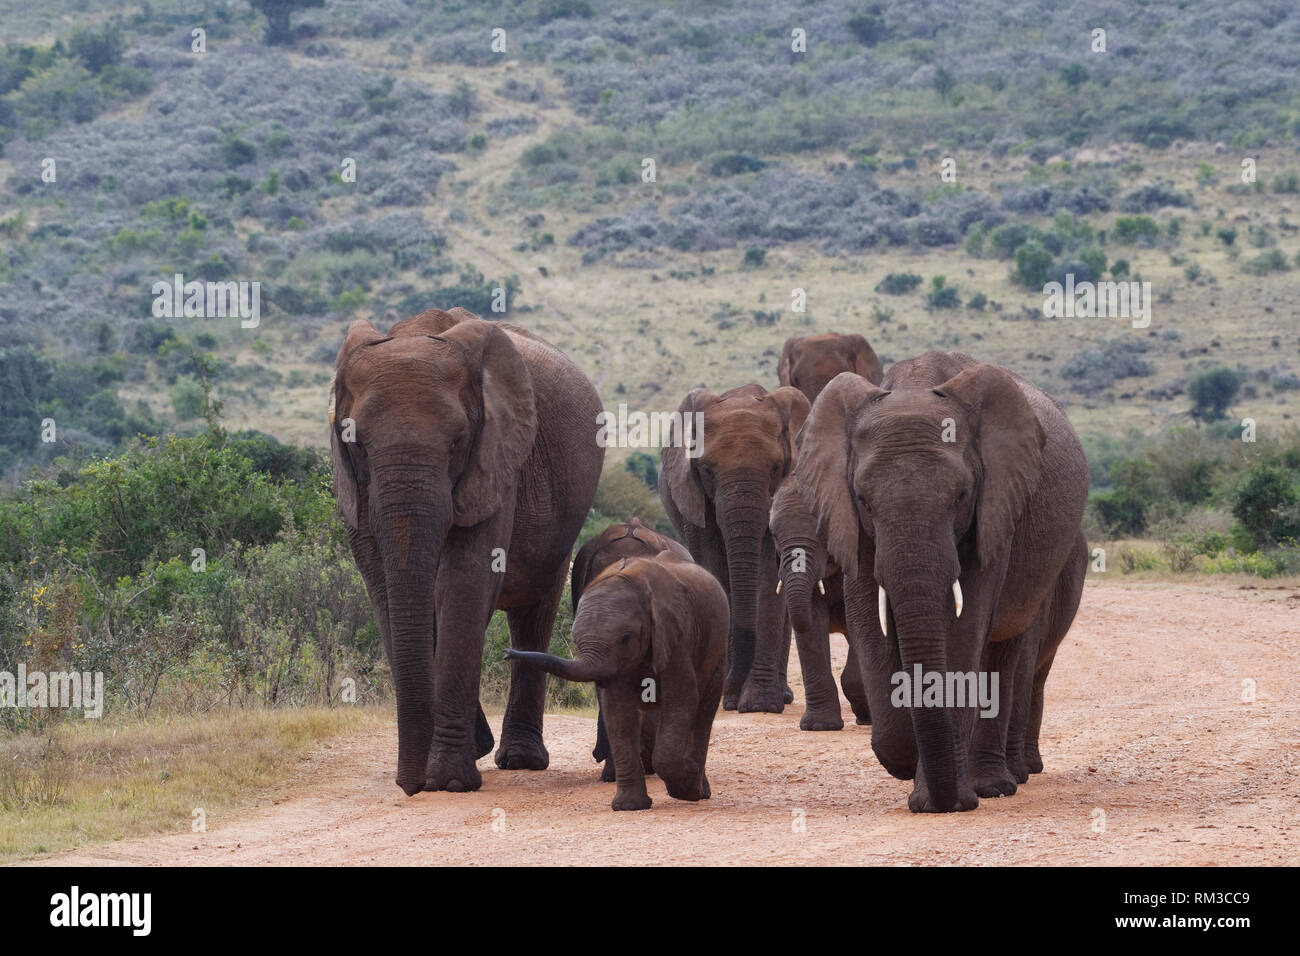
x=1145, y=723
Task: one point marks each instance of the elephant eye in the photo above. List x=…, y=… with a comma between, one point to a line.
x=962, y=496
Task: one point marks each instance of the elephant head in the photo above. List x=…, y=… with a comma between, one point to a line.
x=919, y=487
x=623, y=540
x=743, y=453
x=633, y=617
x=804, y=562
x=808, y=363
x=430, y=425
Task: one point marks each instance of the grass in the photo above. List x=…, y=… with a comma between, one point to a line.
x=90, y=781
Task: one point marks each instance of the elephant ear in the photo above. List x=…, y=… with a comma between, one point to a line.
x=1010, y=441
x=822, y=473
x=865, y=361
x=581, y=573
x=793, y=406
x=360, y=333
x=683, y=483
x=787, y=360
x=507, y=425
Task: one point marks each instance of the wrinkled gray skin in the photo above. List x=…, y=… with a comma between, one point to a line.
x=813, y=588
x=719, y=502
x=809, y=362
x=473, y=440
x=651, y=633
x=628, y=539
x=999, y=507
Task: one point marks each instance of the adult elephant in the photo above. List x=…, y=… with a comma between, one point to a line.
x=465, y=462
x=809, y=362
x=717, y=484
x=813, y=587
x=953, y=497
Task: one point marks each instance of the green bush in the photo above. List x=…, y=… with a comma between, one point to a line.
x=1212, y=391
x=1268, y=504
x=898, y=283
x=1032, y=263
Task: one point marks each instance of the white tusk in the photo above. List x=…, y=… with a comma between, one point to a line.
x=884, y=611
x=956, y=594
x=821, y=587
x=779, y=582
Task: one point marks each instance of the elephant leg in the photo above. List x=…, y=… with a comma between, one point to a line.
x=821, y=699
x=878, y=659
x=1065, y=604
x=521, y=731
x=854, y=690
x=675, y=757
x=989, y=771
x=1021, y=706
x=706, y=547
x=465, y=603
x=1032, y=755
x=710, y=695
x=624, y=724
x=649, y=730
x=787, y=692
x=600, y=753
x=764, y=686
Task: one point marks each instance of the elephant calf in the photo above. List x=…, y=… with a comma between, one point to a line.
x=627, y=539
x=651, y=632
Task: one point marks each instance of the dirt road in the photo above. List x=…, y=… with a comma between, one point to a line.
x=1152, y=758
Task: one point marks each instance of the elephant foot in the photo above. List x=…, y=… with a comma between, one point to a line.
x=767, y=699
x=787, y=695
x=919, y=801
x=519, y=751
x=452, y=771
x=761, y=700
x=1034, y=760
x=729, y=701
x=1019, y=769
x=705, y=791
x=688, y=788
x=483, y=739
x=647, y=763
x=996, y=784
x=821, y=720
x=607, y=772
x=632, y=801
x=861, y=714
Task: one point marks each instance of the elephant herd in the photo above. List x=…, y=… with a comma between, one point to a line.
x=931, y=513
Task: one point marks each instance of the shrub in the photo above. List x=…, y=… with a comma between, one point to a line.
x=898, y=283
x=1131, y=229
x=1212, y=391
x=942, y=296
x=1268, y=504
x=1032, y=263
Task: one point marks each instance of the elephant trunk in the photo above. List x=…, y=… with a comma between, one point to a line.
x=584, y=667
x=410, y=536
x=917, y=579
x=797, y=576
x=743, y=512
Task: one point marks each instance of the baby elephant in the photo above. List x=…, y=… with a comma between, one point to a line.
x=631, y=538
x=652, y=633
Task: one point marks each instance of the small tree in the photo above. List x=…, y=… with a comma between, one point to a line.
x=277, y=13
x=1212, y=391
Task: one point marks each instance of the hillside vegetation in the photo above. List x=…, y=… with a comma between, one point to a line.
x=914, y=172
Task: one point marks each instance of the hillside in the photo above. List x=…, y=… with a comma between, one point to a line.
x=774, y=170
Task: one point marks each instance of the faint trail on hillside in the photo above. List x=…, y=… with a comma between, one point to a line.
x=499, y=162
